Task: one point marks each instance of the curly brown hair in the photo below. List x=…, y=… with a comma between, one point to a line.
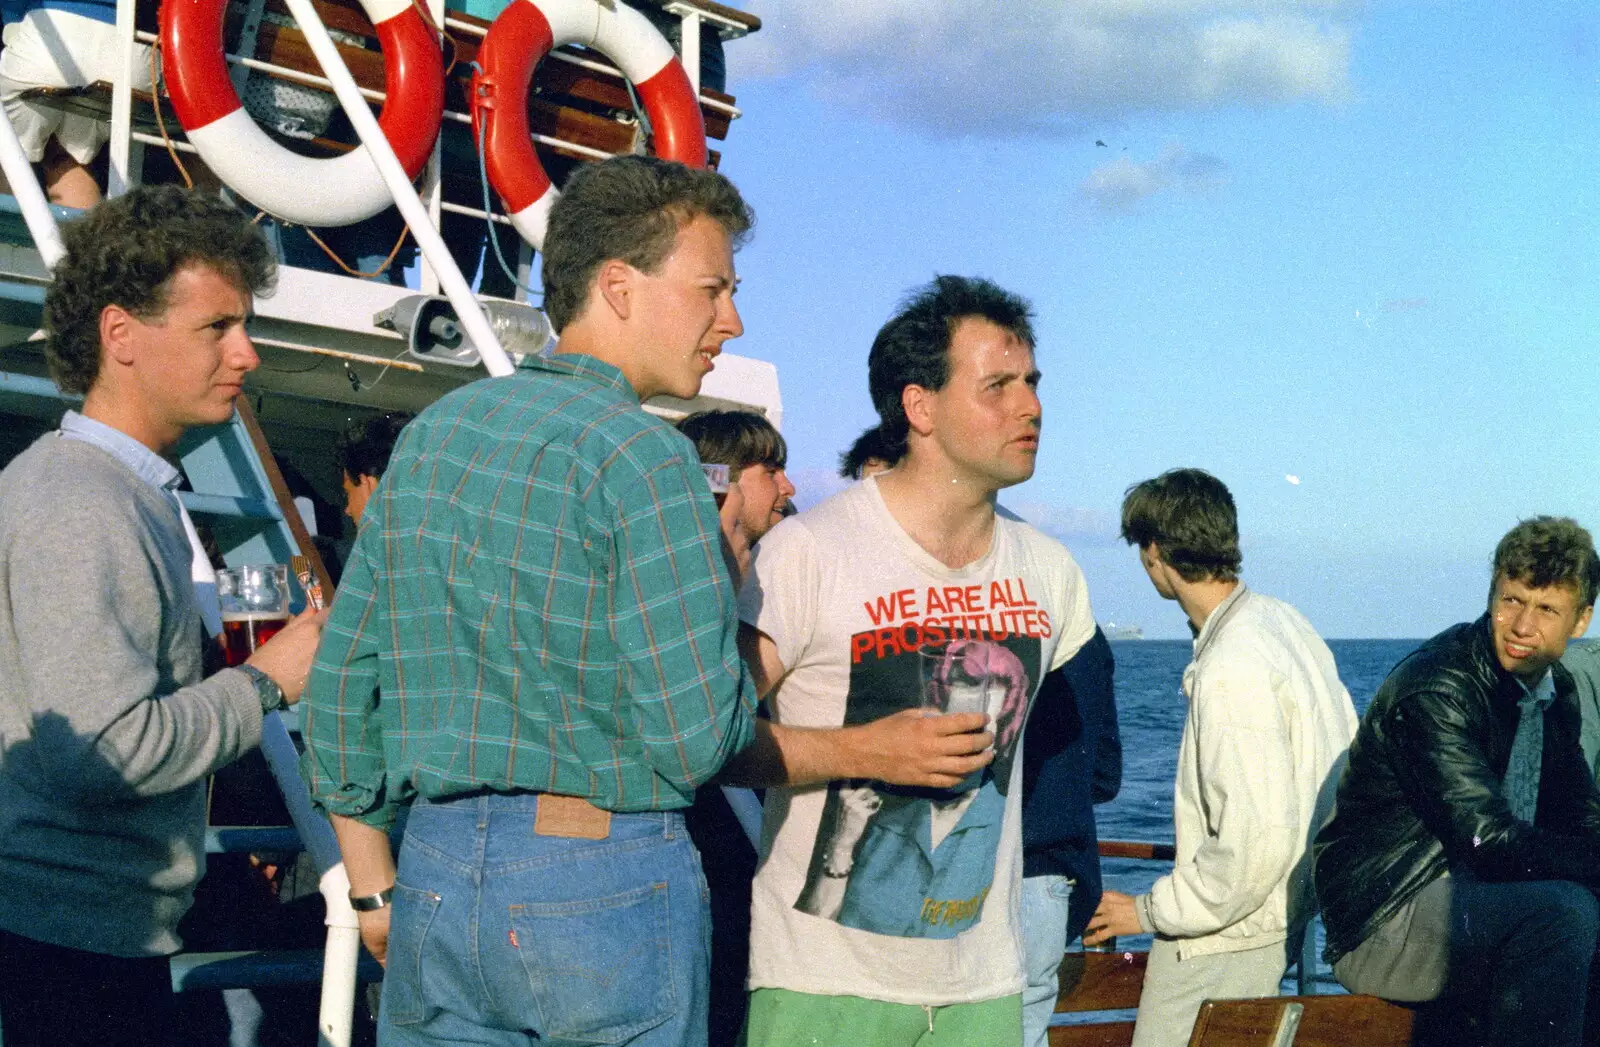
x=1546, y=551
x=125, y=252
x=629, y=208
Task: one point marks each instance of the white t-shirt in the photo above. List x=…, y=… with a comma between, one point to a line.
x=908, y=896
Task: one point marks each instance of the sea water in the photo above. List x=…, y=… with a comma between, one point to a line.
x=1150, y=711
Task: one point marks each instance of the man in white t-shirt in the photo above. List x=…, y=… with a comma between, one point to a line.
x=884, y=915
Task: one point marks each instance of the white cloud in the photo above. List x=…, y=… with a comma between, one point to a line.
x=1029, y=66
x=1071, y=524
x=1122, y=183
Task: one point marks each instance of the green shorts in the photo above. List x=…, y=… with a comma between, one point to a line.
x=780, y=1018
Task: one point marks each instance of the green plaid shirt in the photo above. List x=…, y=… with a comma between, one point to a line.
x=537, y=600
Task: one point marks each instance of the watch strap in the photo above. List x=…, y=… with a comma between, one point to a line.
x=371, y=902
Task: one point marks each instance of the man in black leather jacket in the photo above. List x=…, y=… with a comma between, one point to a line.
x=1464, y=850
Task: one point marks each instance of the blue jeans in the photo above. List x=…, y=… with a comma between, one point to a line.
x=500, y=935
x=1044, y=939
x=1520, y=953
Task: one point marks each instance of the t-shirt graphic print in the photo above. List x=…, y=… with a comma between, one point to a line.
x=919, y=863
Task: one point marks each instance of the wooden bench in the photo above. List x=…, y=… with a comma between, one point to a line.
x=1098, y=981
x=1113, y=981
x=1303, y=1021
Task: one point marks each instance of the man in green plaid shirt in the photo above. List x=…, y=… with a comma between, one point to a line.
x=534, y=646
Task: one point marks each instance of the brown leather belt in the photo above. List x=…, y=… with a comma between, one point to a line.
x=572, y=817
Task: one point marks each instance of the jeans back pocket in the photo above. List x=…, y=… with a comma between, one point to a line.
x=412, y=916
x=600, y=970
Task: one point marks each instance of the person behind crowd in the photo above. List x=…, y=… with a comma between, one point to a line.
x=62, y=43
x=886, y=916
x=1073, y=761
x=363, y=456
x=755, y=453
x=1267, y=724
x=109, y=724
x=868, y=456
x=1464, y=852
x=1582, y=660
x=760, y=492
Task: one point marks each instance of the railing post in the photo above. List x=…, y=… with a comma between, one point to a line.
x=30, y=197
x=118, y=176
x=689, y=47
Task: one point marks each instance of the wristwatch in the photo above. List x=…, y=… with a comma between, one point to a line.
x=273, y=700
x=371, y=902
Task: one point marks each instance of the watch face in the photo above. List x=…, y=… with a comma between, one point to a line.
x=272, y=697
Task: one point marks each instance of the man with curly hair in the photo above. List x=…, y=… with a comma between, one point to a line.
x=1463, y=858
x=108, y=722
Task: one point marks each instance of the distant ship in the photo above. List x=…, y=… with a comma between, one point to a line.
x=1114, y=631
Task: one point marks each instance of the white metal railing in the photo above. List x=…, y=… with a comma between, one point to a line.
x=30, y=196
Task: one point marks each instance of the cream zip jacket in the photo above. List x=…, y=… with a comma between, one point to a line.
x=1265, y=735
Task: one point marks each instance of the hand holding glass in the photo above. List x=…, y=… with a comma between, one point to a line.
x=255, y=607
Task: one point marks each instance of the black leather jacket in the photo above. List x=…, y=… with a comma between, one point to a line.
x=1421, y=791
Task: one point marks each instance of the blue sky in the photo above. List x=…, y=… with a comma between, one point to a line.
x=1353, y=243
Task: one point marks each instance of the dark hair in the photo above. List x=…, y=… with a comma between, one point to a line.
x=629, y=208
x=125, y=252
x=364, y=449
x=738, y=439
x=1547, y=551
x=913, y=348
x=1190, y=515
x=870, y=444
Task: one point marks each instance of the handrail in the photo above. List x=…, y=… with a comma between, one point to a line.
x=1138, y=850
x=30, y=197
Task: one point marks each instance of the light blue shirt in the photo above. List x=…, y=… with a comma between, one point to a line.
x=163, y=476
x=145, y=463
x=1521, y=788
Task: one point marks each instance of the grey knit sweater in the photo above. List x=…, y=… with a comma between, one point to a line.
x=106, y=729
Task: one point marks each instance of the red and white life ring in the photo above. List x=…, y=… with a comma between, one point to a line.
x=308, y=191
x=524, y=33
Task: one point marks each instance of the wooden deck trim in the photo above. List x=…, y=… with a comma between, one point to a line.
x=1326, y=1021
x=1100, y=981
x=1098, y=1034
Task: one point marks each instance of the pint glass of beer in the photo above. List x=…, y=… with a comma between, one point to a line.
x=255, y=605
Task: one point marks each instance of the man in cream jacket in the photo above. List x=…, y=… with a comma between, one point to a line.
x=1267, y=728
